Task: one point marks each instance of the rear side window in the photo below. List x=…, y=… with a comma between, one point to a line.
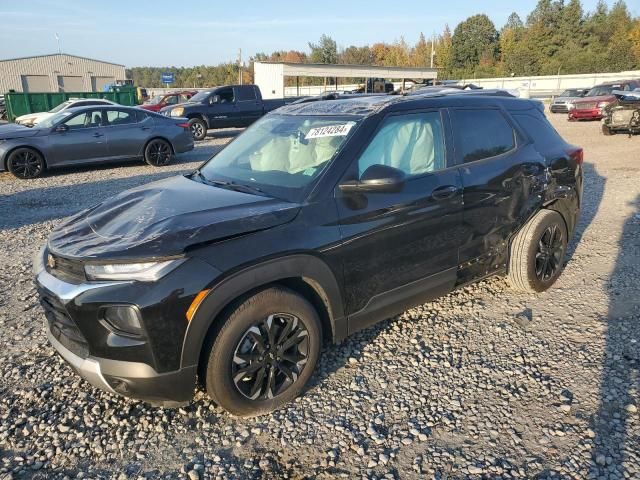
x=246, y=93
x=538, y=128
x=482, y=134
x=119, y=117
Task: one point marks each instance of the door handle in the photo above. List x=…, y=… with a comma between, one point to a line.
x=444, y=193
x=98, y=135
x=145, y=128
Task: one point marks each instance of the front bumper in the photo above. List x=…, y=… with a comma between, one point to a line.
x=559, y=108
x=591, y=114
x=107, y=360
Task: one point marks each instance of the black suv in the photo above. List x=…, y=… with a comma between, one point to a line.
x=319, y=220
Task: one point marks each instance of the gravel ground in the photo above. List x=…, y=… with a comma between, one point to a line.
x=482, y=383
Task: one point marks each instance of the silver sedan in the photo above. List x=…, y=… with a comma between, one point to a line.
x=93, y=134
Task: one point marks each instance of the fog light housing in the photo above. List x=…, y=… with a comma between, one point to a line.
x=124, y=319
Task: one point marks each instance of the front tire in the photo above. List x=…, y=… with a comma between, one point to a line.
x=158, y=153
x=25, y=163
x=264, y=353
x=198, y=128
x=537, y=253
x=606, y=131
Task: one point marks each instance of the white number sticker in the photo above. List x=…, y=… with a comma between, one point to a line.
x=330, y=131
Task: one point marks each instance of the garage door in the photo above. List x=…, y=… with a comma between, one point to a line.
x=98, y=83
x=70, y=84
x=35, y=83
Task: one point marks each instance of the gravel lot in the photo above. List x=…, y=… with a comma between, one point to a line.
x=482, y=383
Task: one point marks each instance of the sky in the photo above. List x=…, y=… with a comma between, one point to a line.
x=198, y=32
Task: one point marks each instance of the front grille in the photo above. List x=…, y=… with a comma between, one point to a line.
x=62, y=327
x=65, y=269
x=586, y=106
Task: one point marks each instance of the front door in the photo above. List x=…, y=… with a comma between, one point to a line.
x=83, y=140
x=400, y=249
x=222, y=113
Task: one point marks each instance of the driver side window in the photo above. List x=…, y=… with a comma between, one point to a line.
x=413, y=143
x=226, y=95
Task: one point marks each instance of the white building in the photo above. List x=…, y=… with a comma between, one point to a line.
x=57, y=73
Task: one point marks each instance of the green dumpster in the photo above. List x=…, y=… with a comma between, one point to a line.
x=18, y=104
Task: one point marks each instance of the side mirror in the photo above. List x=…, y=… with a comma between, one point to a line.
x=376, y=179
x=62, y=128
x=214, y=99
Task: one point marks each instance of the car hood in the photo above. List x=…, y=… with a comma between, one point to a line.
x=599, y=98
x=566, y=99
x=163, y=218
x=34, y=117
x=12, y=130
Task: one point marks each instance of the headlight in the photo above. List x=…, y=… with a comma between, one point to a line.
x=177, y=112
x=143, y=272
x=602, y=104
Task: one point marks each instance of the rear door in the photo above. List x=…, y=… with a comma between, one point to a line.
x=126, y=136
x=248, y=105
x=401, y=246
x=84, y=139
x=503, y=178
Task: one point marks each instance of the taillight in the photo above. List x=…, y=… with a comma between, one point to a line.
x=183, y=125
x=577, y=154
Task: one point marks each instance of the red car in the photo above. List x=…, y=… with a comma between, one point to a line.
x=591, y=106
x=160, y=101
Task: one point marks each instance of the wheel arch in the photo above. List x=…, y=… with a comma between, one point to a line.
x=306, y=275
x=199, y=116
x=5, y=159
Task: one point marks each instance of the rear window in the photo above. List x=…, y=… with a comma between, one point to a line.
x=538, y=128
x=482, y=134
x=246, y=94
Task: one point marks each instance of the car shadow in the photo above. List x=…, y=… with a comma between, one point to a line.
x=226, y=133
x=615, y=423
x=594, y=185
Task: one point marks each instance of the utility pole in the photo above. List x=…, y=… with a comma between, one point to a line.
x=240, y=65
x=433, y=48
x=58, y=41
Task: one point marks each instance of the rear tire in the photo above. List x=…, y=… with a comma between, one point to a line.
x=264, y=353
x=607, y=132
x=25, y=163
x=198, y=128
x=158, y=153
x=537, y=252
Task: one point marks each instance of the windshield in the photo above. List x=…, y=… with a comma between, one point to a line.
x=602, y=90
x=62, y=106
x=51, y=121
x=200, y=96
x=280, y=154
x=155, y=100
x=570, y=93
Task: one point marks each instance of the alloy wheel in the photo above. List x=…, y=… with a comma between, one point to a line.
x=26, y=164
x=550, y=252
x=197, y=130
x=270, y=356
x=159, y=153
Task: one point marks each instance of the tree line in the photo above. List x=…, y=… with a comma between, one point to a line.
x=557, y=37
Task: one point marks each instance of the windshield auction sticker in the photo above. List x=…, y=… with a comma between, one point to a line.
x=330, y=131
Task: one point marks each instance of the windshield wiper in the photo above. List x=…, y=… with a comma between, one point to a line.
x=238, y=187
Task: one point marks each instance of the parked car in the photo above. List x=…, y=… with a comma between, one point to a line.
x=31, y=119
x=3, y=108
x=319, y=220
x=224, y=107
x=564, y=102
x=158, y=102
x=591, y=107
x=623, y=115
x=93, y=134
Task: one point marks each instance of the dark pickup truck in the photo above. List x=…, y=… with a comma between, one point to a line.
x=224, y=107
